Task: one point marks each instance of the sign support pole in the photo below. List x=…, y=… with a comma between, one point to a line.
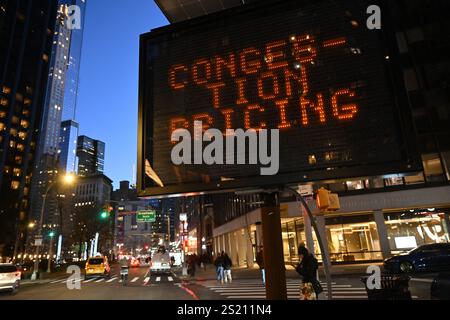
x=325, y=257
x=273, y=247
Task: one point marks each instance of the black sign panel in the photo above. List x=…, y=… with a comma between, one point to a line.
x=314, y=72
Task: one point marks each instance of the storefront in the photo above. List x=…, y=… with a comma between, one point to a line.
x=412, y=228
x=350, y=238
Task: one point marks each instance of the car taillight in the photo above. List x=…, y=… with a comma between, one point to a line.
x=18, y=274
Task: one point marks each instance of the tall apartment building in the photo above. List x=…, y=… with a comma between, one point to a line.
x=26, y=34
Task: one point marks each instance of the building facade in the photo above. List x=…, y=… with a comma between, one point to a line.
x=91, y=156
x=381, y=214
x=26, y=35
x=68, y=139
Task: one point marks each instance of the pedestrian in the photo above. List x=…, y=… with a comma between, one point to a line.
x=260, y=262
x=204, y=260
x=192, y=265
x=227, y=263
x=219, y=267
x=310, y=287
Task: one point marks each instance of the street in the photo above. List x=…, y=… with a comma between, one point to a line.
x=245, y=286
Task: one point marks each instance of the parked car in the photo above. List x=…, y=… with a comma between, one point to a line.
x=440, y=288
x=9, y=278
x=426, y=258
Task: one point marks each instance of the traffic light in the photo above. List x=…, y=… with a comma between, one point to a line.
x=323, y=199
x=51, y=234
x=106, y=212
x=327, y=201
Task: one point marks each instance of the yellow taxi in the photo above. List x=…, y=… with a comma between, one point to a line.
x=97, y=266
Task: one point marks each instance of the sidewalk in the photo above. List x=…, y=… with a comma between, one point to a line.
x=245, y=273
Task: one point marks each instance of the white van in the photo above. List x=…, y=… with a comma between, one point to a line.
x=160, y=262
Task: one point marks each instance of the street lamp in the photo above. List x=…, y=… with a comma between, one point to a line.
x=67, y=179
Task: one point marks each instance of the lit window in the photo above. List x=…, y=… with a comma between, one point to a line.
x=15, y=185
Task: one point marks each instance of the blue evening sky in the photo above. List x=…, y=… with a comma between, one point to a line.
x=108, y=93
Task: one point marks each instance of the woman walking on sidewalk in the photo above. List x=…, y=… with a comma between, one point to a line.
x=307, y=268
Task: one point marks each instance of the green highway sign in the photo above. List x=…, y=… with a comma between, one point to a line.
x=146, y=216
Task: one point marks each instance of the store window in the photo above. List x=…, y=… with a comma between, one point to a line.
x=410, y=229
x=350, y=239
x=391, y=182
x=353, y=238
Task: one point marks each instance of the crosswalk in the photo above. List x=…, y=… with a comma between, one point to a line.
x=115, y=279
x=255, y=290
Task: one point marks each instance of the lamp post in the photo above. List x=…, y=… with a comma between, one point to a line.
x=68, y=179
x=50, y=252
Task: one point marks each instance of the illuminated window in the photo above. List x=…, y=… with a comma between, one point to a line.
x=355, y=185
x=24, y=123
x=17, y=172
x=15, y=185
x=21, y=147
x=6, y=90
x=2, y=126
x=4, y=102
x=312, y=160
x=18, y=159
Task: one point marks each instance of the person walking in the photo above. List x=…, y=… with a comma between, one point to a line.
x=192, y=266
x=227, y=264
x=219, y=267
x=260, y=262
x=310, y=287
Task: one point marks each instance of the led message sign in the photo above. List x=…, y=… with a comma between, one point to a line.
x=314, y=72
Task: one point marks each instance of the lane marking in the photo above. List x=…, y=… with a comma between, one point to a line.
x=101, y=280
x=58, y=281
x=146, y=280
x=90, y=280
x=422, y=280
x=158, y=279
x=170, y=279
x=112, y=279
x=135, y=279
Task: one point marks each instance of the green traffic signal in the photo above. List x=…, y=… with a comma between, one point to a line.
x=104, y=215
x=51, y=234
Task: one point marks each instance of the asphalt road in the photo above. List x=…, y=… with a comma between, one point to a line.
x=171, y=287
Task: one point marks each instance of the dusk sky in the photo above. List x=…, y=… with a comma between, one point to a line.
x=108, y=93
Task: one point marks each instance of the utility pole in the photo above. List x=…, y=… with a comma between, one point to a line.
x=273, y=247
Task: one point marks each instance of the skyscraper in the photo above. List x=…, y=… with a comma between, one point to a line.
x=60, y=104
x=73, y=67
x=68, y=140
x=26, y=29
x=91, y=156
